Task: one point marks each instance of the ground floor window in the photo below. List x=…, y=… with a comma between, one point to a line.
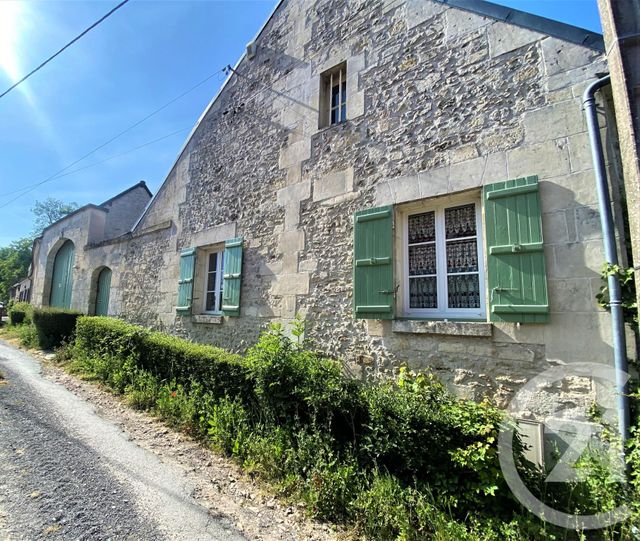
x=213, y=281
x=443, y=261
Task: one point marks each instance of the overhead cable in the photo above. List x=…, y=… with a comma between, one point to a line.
x=43, y=64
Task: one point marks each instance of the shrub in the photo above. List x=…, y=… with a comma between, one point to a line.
x=229, y=426
x=331, y=486
x=166, y=357
x=294, y=385
x=20, y=313
x=381, y=511
x=418, y=414
x=28, y=335
x=176, y=407
x=54, y=326
x=142, y=391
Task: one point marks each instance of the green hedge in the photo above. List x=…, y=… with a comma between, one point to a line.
x=20, y=313
x=166, y=357
x=54, y=326
x=415, y=431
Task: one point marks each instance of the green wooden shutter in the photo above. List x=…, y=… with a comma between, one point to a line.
x=232, y=274
x=185, y=282
x=515, y=252
x=373, y=287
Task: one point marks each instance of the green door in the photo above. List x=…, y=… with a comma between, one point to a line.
x=62, y=279
x=102, y=292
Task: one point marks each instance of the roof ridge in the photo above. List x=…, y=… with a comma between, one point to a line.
x=141, y=184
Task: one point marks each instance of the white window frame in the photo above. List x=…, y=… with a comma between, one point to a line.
x=334, y=77
x=442, y=311
x=219, y=280
x=341, y=108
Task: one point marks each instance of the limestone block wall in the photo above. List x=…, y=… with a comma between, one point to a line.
x=82, y=227
x=440, y=101
x=89, y=227
x=124, y=210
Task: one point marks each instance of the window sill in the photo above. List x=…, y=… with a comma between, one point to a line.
x=207, y=319
x=456, y=328
x=340, y=124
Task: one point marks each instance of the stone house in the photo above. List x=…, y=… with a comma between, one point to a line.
x=413, y=177
x=65, y=273
x=21, y=290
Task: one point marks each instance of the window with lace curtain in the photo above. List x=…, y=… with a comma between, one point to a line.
x=443, y=262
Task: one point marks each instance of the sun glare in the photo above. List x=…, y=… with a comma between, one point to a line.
x=12, y=21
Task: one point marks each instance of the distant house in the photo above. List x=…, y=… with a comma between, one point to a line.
x=413, y=177
x=65, y=273
x=21, y=291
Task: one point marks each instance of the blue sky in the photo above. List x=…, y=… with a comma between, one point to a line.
x=144, y=55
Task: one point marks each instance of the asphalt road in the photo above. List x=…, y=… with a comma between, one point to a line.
x=66, y=473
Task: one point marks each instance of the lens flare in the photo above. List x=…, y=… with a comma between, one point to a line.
x=12, y=21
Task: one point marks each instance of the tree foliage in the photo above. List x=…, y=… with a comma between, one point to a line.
x=16, y=257
x=14, y=264
x=49, y=211
x=628, y=290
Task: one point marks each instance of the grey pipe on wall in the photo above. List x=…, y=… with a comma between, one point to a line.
x=611, y=254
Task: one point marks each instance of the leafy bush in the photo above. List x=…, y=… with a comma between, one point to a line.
x=142, y=390
x=419, y=414
x=176, y=406
x=165, y=357
x=296, y=387
x=54, y=326
x=229, y=426
x=28, y=335
x=20, y=313
x=626, y=279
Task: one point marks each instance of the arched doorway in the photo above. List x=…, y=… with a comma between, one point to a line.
x=103, y=290
x=62, y=276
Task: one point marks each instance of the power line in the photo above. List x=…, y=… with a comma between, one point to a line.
x=65, y=47
x=279, y=96
x=227, y=69
x=126, y=130
x=61, y=173
x=25, y=189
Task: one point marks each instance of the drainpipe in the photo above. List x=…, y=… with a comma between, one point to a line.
x=611, y=255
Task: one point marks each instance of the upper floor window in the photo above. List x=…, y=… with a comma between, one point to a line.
x=333, y=96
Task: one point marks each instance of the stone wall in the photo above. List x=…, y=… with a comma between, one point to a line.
x=440, y=101
x=82, y=227
x=88, y=227
x=125, y=209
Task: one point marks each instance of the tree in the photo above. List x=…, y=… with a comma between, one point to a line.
x=16, y=258
x=14, y=265
x=49, y=211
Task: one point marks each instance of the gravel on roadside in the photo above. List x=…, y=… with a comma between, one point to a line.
x=220, y=484
x=52, y=485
